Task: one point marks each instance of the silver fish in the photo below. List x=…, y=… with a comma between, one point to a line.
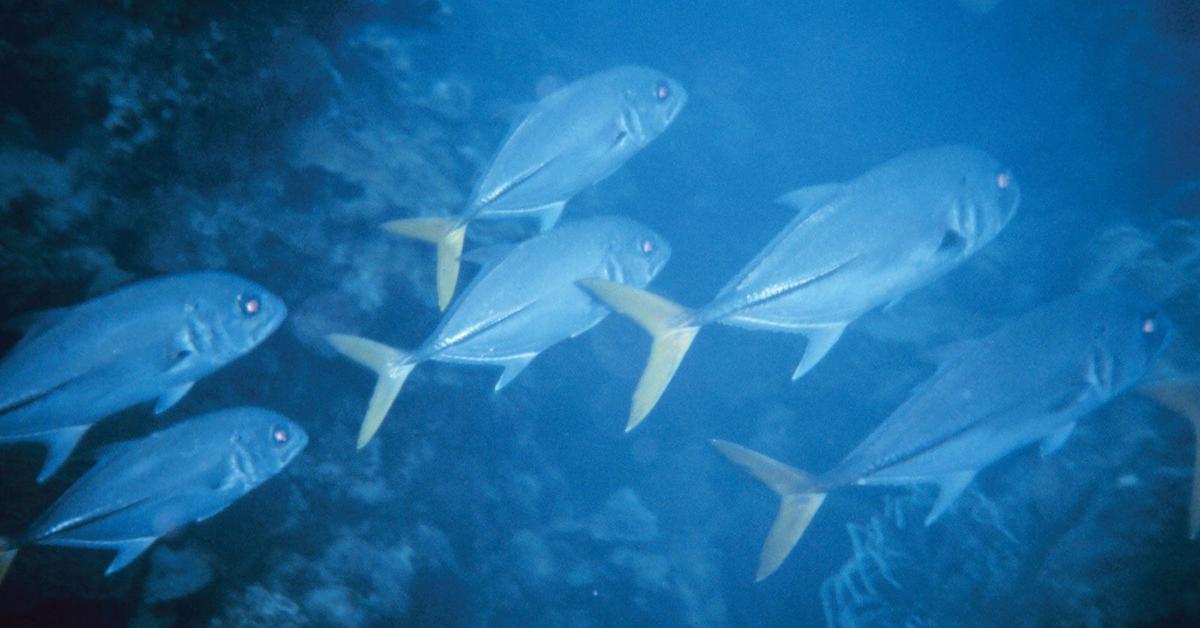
x=852, y=247
x=149, y=340
x=572, y=138
x=140, y=490
x=520, y=304
x=1029, y=381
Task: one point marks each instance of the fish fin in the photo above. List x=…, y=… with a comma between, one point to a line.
x=512, y=368
x=809, y=198
x=449, y=234
x=820, y=341
x=1182, y=395
x=171, y=396
x=949, y=488
x=127, y=552
x=182, y=350
x=891, y=305
x=799, y=500
x=548, y=216
x=391, y=365
x=1055, y=440
x=487, y=255
x=33, y=324
x=59, y=445
x=668, y=326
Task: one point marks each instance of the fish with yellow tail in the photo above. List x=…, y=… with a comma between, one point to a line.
x=852, y=247
x=568, y=140
x=1030, y=381
x=522, y=302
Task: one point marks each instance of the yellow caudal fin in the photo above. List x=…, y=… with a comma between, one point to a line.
x=1182, y=395
x=7, y=555
x=668, y=325
x=391, y=365
x=449, y=235
x=799, y=499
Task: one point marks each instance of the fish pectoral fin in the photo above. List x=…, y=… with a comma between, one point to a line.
x=127, y=552
x=391, y=366
x=949, y=488
x=512, y=368
x=171, y=396
x=1055, y=440
x=799, y=499
x=59, y=445
x=669, y=327
x=449, y=234
x=548, y=216
x=809, y=199
x=1182, y=396
x=820, y=341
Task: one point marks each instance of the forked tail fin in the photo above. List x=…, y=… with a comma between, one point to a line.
x=392, y=367
x=799, y=499
x=448, y=234
x=1182, y=395
x=669, y=327
x=8, y=553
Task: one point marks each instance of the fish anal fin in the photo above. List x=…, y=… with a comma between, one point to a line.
x=171, y=396
x=548, y=215
x=1054, y=441
x=512, y=368
x=669, y=327
x=820, y=341
x=799, y=499
x=127, y=552
x=487, y=255
x=949, y=488
x=1182, y=395
x=391, y=366
x=59, y=445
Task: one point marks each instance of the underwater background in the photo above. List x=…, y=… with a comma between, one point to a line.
x=271, y=139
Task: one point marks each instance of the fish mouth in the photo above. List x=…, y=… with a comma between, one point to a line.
x=676, y=106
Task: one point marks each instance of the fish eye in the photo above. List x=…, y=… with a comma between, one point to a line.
x=280, y=435
x=1004, y=178
x=249, y=304
x=647, y=246
x=662, y=91
x=1149, y=324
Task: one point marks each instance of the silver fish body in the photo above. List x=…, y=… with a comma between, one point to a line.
x=1028, y=382
x=141, y=490
x=522, y=302
x=151, y=339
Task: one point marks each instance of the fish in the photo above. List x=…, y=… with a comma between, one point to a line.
x=570, y=139
x=1030, y=381
x=140, y=490
x=152, y=339
x=852, y=247
x=524, y=300
x=1181, y=394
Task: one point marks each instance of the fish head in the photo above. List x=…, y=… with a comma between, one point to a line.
x=268, y=441
x=637, y=252
x=242, y=313
x=652, y=100
x=986, y=195
x=1134, y=331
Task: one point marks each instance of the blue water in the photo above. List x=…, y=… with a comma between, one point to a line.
x=138, y=140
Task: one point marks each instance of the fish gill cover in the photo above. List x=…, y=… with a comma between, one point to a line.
x=272, y=140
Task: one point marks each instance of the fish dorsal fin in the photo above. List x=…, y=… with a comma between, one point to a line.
x=33, y=324
x=127, y=552
x=171, y=396
x=949, y=488
x=809, y=199
x=487, y=255
x=1056, y=439
x=512, y=368
x=59, y=445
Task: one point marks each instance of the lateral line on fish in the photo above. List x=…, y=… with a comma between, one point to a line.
x=778, y=291
x=477, y=329
x=512, y=184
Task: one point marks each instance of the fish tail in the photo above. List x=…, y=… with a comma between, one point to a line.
x=8, y=553
x=448, y=234
x=391, y=365
x=799, y=498
x=1182, y=395
x=671, y=328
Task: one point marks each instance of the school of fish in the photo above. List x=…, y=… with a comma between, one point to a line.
x=852, y=247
